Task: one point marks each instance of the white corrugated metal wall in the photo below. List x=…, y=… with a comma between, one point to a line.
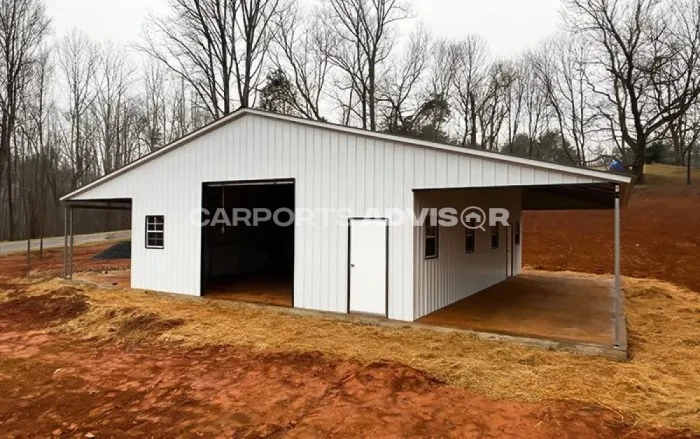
x=331, y=169
x=456, y=274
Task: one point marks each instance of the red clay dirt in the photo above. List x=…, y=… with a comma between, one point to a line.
x=56, y=386
x=55, y=307
x=660, y=237
x=15, y=265
x=53, y=385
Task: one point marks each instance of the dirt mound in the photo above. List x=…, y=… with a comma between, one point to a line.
x=49, y=309
x=390, y=377
x=650, y=292
x=11, y=290
x=133, y=324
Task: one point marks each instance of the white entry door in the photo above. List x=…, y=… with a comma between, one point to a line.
x=368, y=266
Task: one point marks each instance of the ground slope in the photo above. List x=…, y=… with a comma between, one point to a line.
x=118, y=363
x=660, y=233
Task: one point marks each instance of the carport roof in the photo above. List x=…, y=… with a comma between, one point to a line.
x=572, y=196
x=604, y=176
x=579, y=196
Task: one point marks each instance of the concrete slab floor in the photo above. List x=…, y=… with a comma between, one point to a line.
x=553, y=306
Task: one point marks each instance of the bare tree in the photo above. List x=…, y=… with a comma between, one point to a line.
x=113, y=106
x=254, y=25
x=36, y=108
x=536, y=108
x=639, y=47
x=363, y=39
x=684, y=134
x=23, y=26
x=494, y=107
x=563, y=69
x=154, y=133
x=77, y=60
x=197, y=43
x=403, y=81
x=301, y=48
x=515, y=96
x=443, y=70
x=470, y=79
x=180, y=121
x=219, y=47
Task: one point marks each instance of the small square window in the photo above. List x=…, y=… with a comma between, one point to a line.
x=495, y=237
x=517, y=233
x=155, y=231
x=470, y=243
x=432, y=238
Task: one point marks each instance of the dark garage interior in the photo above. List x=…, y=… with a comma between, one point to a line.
x=244, y=259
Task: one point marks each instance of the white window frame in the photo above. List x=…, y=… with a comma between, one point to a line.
x=155, y=228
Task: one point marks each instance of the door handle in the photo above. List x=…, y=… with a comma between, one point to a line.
x=352, y=265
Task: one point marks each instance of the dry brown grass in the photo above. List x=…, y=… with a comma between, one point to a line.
x=669, y=175
x=658, y=386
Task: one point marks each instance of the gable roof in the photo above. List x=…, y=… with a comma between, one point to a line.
x=497, y=156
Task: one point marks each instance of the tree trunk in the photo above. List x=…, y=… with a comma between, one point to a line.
x=4, y=158
x=690, y=157
x=371, y=100
x=638, y=168
x=473, y=119
x=466, y=130
x=5, y=165
x=639, y=149
x=10, y=201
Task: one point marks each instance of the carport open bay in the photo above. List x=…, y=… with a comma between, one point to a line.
x=554, y=306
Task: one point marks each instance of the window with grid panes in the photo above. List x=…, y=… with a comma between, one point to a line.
x=155, y=231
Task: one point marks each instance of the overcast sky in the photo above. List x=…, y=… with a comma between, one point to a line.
x=509, y=26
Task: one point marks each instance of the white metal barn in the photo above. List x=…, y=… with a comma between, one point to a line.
x=363, y=264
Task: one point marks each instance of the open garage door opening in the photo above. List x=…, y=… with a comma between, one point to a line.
x=248, y=242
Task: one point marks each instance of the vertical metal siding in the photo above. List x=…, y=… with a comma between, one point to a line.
x=331, y=169
x=456, y=274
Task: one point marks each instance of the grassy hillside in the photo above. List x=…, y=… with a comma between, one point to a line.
x=669, y=175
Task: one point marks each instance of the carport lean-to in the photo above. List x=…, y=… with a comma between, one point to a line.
x=529, y=304
x=596, y=196
x=68, y=219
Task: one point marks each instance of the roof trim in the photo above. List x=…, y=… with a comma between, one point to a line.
x=497, y=156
